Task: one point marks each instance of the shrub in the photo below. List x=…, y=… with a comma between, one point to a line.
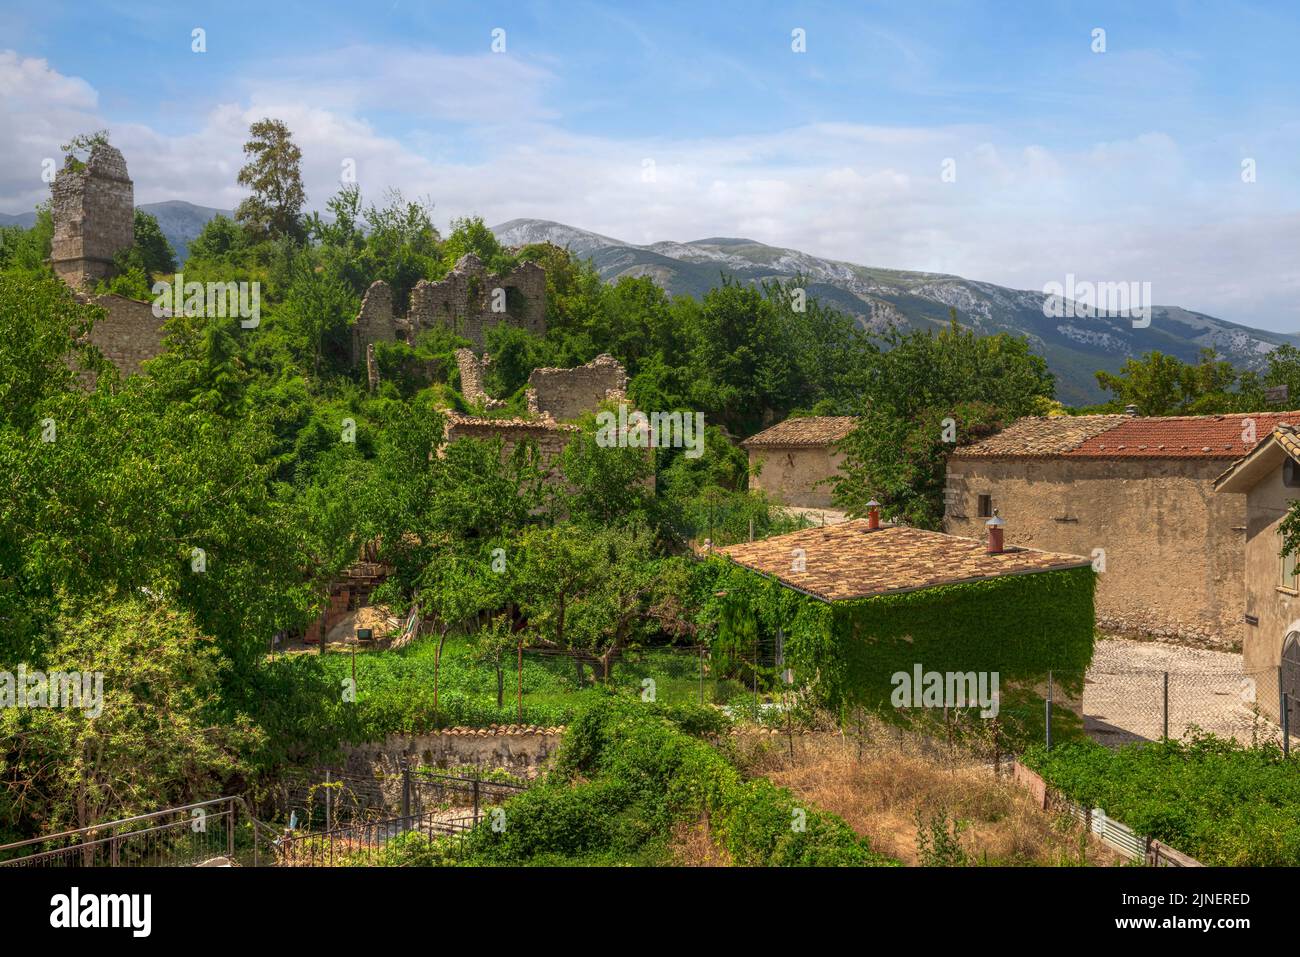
x=1220, y=802
x=628, y=771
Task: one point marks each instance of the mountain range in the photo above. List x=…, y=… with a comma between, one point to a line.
x=181, y=222
x=1075, y=348
x=879, y=298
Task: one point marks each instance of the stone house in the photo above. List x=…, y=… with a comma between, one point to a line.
x=1268, y=478
x=865, y=600
x=794, y=461
x=1137, y=495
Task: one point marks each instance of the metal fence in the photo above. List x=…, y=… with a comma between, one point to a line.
x=330, y=798
x=179, y=836
x=1126, y=705
x=363, y=843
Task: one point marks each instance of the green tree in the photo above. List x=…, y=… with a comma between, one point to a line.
x=582, y=590
x=151, y=740
x=274, y=210
x=922, y=397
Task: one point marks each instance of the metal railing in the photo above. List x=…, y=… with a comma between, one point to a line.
x=364, y=843
x=326, y=798
x=173, y=837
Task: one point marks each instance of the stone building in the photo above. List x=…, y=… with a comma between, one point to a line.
x=550, y=436
x=468, y=302
x=127, y=335
x=93, y=209
x=566, y=394
x=1137, y=495
x=1269, y=480
x=794, y=461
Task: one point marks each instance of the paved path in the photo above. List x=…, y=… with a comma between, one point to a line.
x=1123, y=697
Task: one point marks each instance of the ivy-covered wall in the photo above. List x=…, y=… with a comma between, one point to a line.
x=845, y=653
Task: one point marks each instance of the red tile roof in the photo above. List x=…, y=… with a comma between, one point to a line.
x=813, y=430
x=848, y=560
x=1124, y=436
x=1184, y=436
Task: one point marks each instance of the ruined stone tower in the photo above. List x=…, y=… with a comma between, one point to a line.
x=94, y=217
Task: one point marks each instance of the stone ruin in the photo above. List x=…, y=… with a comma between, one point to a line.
x=565, y=394
x=93, y=209
x=468, y=302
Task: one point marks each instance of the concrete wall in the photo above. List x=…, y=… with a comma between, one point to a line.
x=790, y=475
x=1276, y=606
x=1174, y=549
x=94, y=217
x=522, y=753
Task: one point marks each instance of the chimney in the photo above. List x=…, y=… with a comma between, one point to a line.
x=995, y=526
x=873, y=515
x=1131, y=409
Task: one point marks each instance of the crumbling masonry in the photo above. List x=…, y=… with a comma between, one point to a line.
x=468, y=302
x=93, y=209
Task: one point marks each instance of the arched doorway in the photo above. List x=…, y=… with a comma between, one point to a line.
x=1289, y=676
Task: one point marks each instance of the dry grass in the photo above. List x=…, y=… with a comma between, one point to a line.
x=691, y=846
x=882, y=786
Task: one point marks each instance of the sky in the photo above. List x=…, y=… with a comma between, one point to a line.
x=1006, y=142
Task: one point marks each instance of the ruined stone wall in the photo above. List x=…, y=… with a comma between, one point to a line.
x=466, y=301
x=551, y=439
x=565, y=394
x=128, y=334
x=375, y=322
x=1174, y=549
x=471, y=379
x=94, y=217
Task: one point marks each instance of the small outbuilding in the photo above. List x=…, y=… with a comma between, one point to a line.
x=847, y=608
x=795, y=461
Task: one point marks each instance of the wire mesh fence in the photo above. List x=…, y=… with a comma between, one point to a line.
x=1124, y=705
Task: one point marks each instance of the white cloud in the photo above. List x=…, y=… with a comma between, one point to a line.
x=1018, y=214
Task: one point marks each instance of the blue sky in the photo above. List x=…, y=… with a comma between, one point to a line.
x=1118, y=166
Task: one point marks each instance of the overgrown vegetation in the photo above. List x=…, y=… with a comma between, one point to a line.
x=628, y=772
x=1222, y=803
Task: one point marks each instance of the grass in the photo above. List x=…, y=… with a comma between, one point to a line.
x=394, y=689
x=919, y=805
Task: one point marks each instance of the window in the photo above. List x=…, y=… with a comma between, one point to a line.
x=1288, y=572
x=986, y=506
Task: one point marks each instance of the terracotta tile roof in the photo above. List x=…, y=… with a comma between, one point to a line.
x=811, y=430
x=848, y=561
x=1286, y=436
x=1126, y=436
x=1036, y=436
x=1183, y=436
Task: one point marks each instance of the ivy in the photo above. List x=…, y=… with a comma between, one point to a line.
x=845, y=653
